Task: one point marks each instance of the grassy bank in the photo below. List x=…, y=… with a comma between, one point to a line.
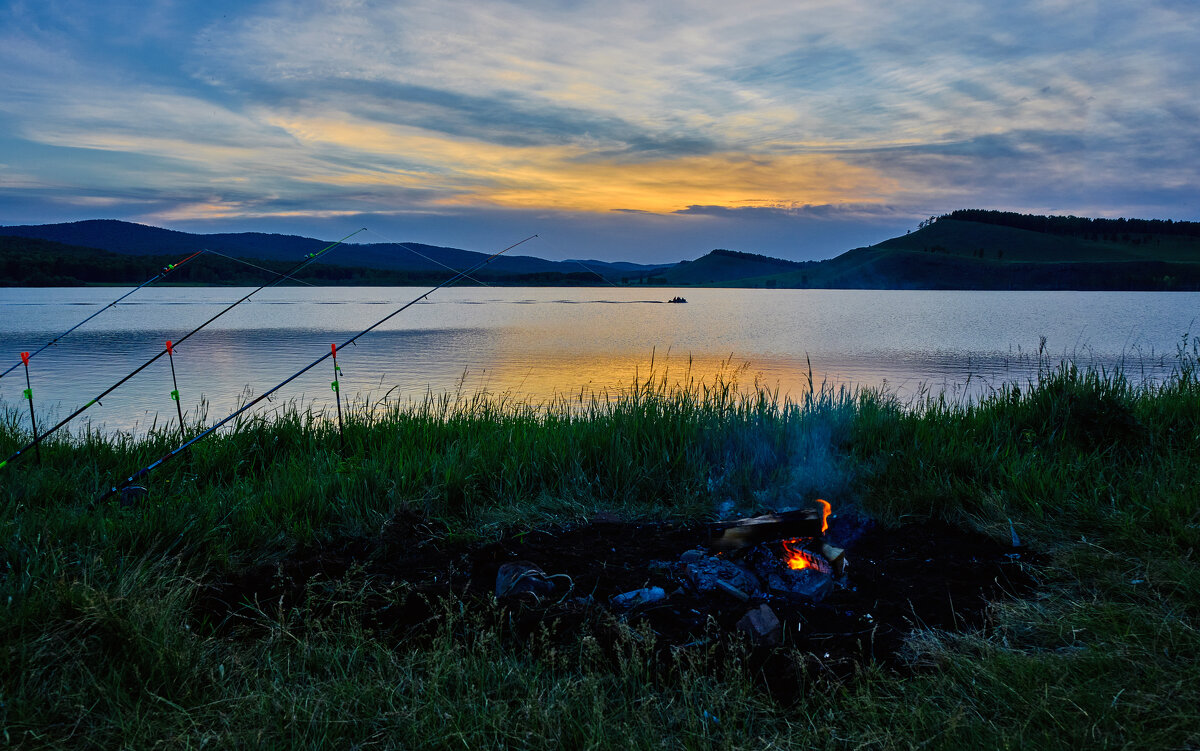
x=99, y=647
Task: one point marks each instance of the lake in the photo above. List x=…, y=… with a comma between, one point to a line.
x=534, y=344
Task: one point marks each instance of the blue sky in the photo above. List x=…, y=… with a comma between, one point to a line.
x=620, y=130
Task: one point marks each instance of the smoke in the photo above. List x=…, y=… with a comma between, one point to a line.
x=819, y=466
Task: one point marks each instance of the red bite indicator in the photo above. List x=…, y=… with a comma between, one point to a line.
x=25, y=358
x=333, y=349
x=170, y=351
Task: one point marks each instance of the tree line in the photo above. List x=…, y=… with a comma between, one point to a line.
x=28, y=262
x=1074, y=226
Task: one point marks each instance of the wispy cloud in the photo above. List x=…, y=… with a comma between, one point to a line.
x=222, y=111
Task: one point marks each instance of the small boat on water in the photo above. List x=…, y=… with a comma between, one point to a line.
x=677, y=299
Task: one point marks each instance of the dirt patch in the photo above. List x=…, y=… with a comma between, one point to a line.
x=920, y=575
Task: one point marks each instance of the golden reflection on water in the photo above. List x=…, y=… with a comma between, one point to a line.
x=578, y=378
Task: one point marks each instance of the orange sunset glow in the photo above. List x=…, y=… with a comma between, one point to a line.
x=626, y=132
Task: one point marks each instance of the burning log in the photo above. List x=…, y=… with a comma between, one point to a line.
x=744, y=533
x=798, y=558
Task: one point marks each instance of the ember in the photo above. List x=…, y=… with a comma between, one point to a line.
x=798, y=558
x=785, y=554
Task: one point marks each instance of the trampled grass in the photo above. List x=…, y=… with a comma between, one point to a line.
x=98, y=649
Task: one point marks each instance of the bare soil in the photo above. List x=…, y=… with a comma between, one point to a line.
x=926, y=575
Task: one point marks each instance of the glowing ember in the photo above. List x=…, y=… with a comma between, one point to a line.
x=798, y=558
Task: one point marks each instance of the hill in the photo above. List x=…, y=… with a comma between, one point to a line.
x=723, y=266
x=959, y=237
x=30, y=262
x=966, y=249
x=128, y=238
x=975, y=249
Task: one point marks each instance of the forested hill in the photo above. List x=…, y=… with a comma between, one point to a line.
x=31, y=262
x=1074, y=226
x=978, y=249
x=406, y=258
x=965, y=249
x=722, y=265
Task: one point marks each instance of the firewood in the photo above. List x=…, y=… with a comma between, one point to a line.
x=743, y=533
x=762, y=626
x=835, y=556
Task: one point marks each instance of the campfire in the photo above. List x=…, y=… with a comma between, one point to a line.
x=784, y=579
x=781, y=560
x=778, y=580
x=785, y=552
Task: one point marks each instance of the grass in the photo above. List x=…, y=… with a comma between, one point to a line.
x=97, y=648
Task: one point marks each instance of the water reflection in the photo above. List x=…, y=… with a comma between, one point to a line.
x=542, y=345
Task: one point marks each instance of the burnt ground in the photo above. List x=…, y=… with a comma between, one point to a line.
x=920, y=575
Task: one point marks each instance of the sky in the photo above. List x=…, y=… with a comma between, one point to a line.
x=623, y=131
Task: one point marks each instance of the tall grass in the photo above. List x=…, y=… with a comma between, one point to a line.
x=98, y=651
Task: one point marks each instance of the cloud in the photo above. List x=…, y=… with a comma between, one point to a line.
x=839, y=212
x=776, y=114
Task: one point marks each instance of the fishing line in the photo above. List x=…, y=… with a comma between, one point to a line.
x=414, y=251
x=307, y=260
x=165, y=270
x=260, y=268
x=188, y=444
x=603, y=278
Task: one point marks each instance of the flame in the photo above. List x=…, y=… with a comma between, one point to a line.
x=798, y=558
x=826, y=509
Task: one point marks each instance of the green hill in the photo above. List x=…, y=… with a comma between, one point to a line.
x=1014, y=245
x=406, y=259
x=966, y=249
x=975, y=249
x=872, y=268
x=31, y=262
x=722, y=266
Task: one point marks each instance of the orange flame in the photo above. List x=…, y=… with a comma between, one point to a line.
x=798, y=558
x=826, y=509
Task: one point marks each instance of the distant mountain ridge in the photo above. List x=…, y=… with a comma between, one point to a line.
x=129, y=238
x=965, y=249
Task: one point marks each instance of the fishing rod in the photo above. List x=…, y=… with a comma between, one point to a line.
x=304, y=262
x=165, y=270
x=29, y=395
x=266, y=394
x=175, y=393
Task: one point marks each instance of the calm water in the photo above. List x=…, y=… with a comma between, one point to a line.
x=537, y=343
